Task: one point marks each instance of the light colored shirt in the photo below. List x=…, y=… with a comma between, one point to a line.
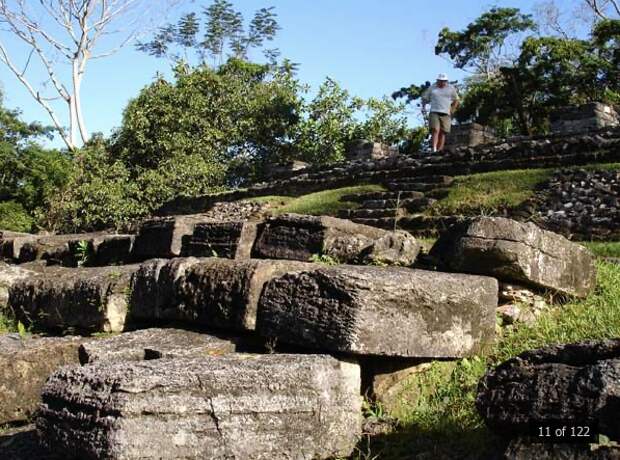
x=441, y=99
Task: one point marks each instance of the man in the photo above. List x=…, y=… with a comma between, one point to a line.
x=444, y=101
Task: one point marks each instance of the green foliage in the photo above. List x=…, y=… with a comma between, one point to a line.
x=240, y=113
x=21, y=330
x=29, y=174
x=334, y=118
x=224, y=35
x=324, y=259
x=83, y=252
x=100, y=193
x=603, y=248
x=479, y=45
x=14, y=217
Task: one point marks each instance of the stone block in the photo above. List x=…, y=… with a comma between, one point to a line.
x=101, y=249
x=154, y=343
x=163, y=237
x=395, y=248
x=9, y=275
x=85, y=299
x=232, y=240
x=26, y=363
x=381, y=311
x=210, y=292
x=578, y=382
x=363, y=150
x=299, y=237
x=231, y=406
x=517, y=252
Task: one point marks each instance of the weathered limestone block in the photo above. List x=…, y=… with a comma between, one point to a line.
x=232, y=406
x=578, y=382
x=154, y=344
x=395, y=248
x=233, y=240
x=9, y=275
x=381, y=311
x=518, y=252
x=361, y=149
x=86, y=299
x=299, y=237
x=583, y=117
x=11, y=244
x=26, y=363
x=210, y=292
x=100, y=249
x=163, y=237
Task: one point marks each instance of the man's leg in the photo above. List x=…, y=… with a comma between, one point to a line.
x=441, y=140
x=435, y=137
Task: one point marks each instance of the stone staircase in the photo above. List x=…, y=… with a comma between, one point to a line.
x=406, y=197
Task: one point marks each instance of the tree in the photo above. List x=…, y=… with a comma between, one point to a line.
x=29, y=174
x=480, y=46
x=334, y=118
x=237, y=111
x=224, y=35
x=63, y=46
x=602, y=8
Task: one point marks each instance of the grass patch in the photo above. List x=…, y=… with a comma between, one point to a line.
x=443, y=423
x=326, y=202
x=603, y=248
x=486, y=193
x=7, y=324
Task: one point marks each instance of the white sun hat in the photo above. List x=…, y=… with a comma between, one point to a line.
x=442, y=77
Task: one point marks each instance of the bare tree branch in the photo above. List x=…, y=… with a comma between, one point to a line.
x=72, y=34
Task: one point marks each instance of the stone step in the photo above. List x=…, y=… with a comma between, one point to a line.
x=92, y=249
x=369, y=213
x=209, y=292
x=299, y=237
x=414, y=186
x=438, y=193
x=94, y=299
x=240, y=406
x=384, y=311
x=26, y=363
x=368, y=196
x=415, y=205
x=382, y=222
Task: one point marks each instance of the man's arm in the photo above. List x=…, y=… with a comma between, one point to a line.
x=455, y=102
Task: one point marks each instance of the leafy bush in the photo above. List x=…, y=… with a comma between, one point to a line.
x=239, y=110
x=14, y=217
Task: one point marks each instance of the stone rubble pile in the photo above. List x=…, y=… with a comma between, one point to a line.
x=580, y=204
x=197, y=302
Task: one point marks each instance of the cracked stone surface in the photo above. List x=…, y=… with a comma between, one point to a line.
x=381, y=311
x=154, y=344
x=229, y=407
x=517, y=252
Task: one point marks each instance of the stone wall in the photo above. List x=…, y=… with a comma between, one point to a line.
x=516, y=153
x=584, y=117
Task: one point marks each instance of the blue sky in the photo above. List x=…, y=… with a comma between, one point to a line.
x=371, y=47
